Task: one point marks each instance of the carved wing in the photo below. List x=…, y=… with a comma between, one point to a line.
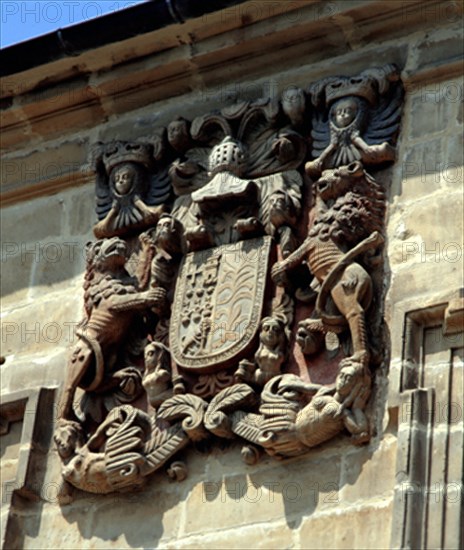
x=247, y=426
x=320, y=134
x=127, y=430
x=385, y=120
x=159, y=189
x=102, y=195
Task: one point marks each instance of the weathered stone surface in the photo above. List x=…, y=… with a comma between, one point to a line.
x=59, y=266
x=47, y=163
x=22, y=225
x=49, y=324
x=356, y=527
x=164, y=520
x=80, y=206
x=16, y=277
x=453, y=174
x=10, y=447
x=50, y=127
x=265, y=535
x=431, y=110
x=284, y=491
x=35, y=371
x=418, y=174
x=369, y=474
x=422, y=235
x=445, y=45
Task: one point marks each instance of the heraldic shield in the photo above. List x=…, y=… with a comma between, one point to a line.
x=218, y=304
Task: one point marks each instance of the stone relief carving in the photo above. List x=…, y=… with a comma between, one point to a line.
x=131, y=192
x=233, y=249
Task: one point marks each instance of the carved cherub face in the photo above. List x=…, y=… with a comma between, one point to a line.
x=293, y=104
x=178, y=135
x=157, y=373
x=123, y=178
x=344, y=112
x=68, y=438
x=279, y=201
x=168, y=234
x=164, y=227
x=272, y=331
x=155, y=355
x=346, y=379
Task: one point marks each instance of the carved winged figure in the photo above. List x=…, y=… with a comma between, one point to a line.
x=130, y=192
x=360, y=121
x=128, y=445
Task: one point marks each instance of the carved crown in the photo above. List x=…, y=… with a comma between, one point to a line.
x=369, y=85
x=228, y=156
x=119, y=152
x=360, y=86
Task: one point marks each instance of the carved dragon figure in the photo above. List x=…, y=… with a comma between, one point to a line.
x=128, y=446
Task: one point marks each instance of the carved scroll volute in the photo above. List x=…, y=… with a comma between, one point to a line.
x=189, y=409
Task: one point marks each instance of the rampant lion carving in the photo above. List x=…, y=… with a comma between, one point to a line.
x=111, y=300
x=350, y=207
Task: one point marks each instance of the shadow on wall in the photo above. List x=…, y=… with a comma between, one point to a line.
x=221, y=493
x=43, y=243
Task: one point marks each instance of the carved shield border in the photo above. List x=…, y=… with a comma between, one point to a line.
x=251, y=260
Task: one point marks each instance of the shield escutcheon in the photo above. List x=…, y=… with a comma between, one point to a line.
x=218, y=304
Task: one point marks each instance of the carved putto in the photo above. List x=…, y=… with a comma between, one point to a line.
x=234, y=290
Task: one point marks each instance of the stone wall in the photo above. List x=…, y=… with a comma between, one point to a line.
x=338, y=496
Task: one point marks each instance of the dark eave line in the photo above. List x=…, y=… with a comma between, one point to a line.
x=102, y=31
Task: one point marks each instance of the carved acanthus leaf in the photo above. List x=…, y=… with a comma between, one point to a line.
x=188, y=408
x=230, y=399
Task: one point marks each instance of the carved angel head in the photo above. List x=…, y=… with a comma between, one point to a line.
x=350, y=373
x=294, y=105
x=272, y=332
x=179, y=135
x=343, y=112
x=126, y=177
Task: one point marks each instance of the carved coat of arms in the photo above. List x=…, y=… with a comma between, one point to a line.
x=235, y=289
x=218, y=304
